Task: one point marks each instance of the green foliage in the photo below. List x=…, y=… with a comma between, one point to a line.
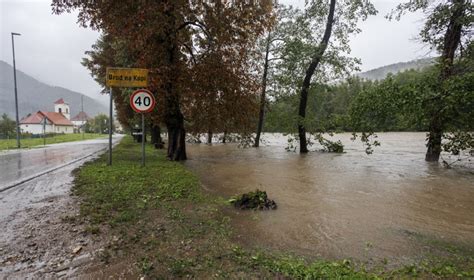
x=393, y=104
x=257, y=200
x=406, y=101
x=327, y=108
x=145, y=266
x=296, y=268
x=326, y=144
x=304, y=35
x=7, y=127
x=99, y=124
x=438, y=17
x=330, y=146
x=448, y=27
x=458, y=141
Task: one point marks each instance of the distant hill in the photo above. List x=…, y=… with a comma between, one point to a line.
x=34, y=95
x=382, y=72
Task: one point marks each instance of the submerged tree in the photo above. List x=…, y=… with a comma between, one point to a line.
x=311, y=57
x=401, y=101
x=315, y=61
x=168, y=37
x=271, y=46
x=448, y=29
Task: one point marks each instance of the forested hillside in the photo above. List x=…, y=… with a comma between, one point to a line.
x=34, y=95
x=382, y=72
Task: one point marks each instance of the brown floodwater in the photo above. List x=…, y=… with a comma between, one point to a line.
x=391, y=204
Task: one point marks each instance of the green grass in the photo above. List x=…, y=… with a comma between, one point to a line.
x=124, y=192
x=6, y=144
x=169, y=228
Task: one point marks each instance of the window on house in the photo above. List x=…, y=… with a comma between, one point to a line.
x=60, y=111
x=67, y=111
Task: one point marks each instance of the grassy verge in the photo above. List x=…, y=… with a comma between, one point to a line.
x=34, y=142
x=166, y=227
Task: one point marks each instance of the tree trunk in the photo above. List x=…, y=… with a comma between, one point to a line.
x=176, y=139
x=209, y=137
x=153, y=131
x=156, y=137
x=434, y=142
x=174, y=119
x=225, y=136
x=309, y=73
x=452, y=39
x=263, y=97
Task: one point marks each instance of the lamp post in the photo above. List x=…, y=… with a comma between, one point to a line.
x=16, y=94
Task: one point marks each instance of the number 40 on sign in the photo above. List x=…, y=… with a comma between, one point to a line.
x=142, y=101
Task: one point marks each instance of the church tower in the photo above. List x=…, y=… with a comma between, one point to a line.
x=62, y=107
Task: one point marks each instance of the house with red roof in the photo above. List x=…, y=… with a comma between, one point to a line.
x=80, y=119
x=49, y=122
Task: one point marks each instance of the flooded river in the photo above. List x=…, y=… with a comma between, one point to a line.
x=391, y=204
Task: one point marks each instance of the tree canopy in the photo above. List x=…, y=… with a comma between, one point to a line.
x=182, y=43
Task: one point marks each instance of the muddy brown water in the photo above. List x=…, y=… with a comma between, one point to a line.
x=391, y=204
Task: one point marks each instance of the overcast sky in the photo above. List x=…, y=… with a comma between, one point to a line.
x=51, y=47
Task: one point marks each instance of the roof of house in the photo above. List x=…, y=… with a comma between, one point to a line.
x=82, y=116
x=55, y=118
x=60, y=101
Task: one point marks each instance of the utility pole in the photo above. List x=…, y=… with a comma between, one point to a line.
x=16, y=94
x=82, y=116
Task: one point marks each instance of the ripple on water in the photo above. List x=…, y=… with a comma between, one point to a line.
x=349, y=205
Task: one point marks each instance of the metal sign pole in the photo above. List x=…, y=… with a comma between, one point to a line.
x=143, y=139
x=142, y=101
x=110, y=128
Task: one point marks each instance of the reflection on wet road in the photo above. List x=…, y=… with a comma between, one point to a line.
x=35, y=241
x=349, y=205
x=20, y=164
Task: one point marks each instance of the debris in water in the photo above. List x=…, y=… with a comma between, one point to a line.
x=253, y=200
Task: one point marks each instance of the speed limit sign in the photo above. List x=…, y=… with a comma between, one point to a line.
x=142, y=101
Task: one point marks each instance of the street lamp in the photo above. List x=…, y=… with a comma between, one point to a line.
x=16, y=94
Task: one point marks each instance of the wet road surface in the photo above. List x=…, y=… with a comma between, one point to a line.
x=35, y=241
x=391, y=204
x=18, y=165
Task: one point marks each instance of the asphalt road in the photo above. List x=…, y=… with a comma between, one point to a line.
x=35, y=184
x=45, y=170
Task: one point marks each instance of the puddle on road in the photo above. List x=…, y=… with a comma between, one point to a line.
x=387, y=205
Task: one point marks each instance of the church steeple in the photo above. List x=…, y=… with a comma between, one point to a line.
x=62, y=107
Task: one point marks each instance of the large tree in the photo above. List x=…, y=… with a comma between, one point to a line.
x=317, y=51
x=169, y=37
x=448, y=27
x=407, y=100
x=315, y=61
x=270, y=48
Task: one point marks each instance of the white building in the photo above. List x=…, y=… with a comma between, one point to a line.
x=51, y=122
x=80, y=120
x=61, y=107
